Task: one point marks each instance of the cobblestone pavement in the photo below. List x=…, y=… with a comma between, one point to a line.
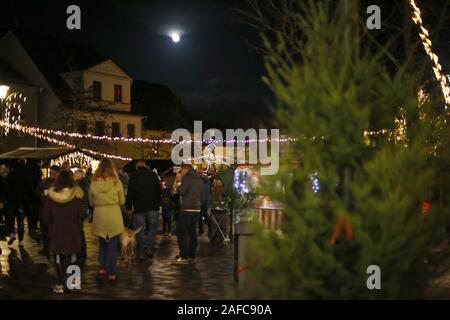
x=24, y=274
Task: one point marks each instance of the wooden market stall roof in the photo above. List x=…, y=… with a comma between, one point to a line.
x=40, y=153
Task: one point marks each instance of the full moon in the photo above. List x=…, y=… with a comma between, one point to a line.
x=175, y=37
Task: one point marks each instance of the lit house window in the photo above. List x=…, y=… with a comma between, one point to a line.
x=97, y=90
x=130, y=130
x=117, y=93
x=115, y=129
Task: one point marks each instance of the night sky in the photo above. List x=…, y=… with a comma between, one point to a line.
x=212, y=68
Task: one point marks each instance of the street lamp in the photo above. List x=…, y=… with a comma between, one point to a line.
x=3, y=92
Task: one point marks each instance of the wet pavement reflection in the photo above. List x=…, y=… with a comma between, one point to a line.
x=25, y=274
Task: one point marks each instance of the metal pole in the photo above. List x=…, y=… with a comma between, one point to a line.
x=236, y=257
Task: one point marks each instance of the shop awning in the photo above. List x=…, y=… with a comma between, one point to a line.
x=40, y=153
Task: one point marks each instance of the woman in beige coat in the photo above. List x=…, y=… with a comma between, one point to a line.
x=106, y=196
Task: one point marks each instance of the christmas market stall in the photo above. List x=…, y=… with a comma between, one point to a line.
x=72, y=157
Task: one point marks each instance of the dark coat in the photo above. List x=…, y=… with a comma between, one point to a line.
x=144, y=191
x=43, y=186
x=191, y=191
x=3, y=189
x=83, y=183
x=167, y=200
x=206, y=192
x=20, y=191
x=63, y=214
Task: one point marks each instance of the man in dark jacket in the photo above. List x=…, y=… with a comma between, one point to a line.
x=144, y=199
x=191, y=193
x=19, y=194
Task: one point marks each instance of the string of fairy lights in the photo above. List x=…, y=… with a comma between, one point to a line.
x=76, y=135
x=24, y=129
x=13, y=110
x=74, y=159
x=426, y=42
x=44, y=134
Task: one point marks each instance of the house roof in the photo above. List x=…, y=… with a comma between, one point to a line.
x=120, y=69
x=54, y=56
x=9, y=75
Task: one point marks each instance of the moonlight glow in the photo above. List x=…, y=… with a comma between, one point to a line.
x=175, y=37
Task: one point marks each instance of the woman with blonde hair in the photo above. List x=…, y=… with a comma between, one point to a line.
x=106, y=195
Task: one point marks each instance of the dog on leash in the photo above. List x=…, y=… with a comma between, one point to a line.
x=128, y=244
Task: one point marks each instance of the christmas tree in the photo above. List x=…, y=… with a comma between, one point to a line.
x=367, y=159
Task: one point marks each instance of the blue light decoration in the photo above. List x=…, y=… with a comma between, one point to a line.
x=315, y=183
x=240, y=181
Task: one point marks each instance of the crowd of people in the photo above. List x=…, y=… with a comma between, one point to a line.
x=110, y=200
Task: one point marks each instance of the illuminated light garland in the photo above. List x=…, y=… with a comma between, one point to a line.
x=437, y=68
x=13, y=110
x=369, y=133
x=209, y=158
x=76, y=135
x=106, y=155
x=74, y=159
x=28, y=131
x=422, y=97
x=240, y=181
x=399, y=134
x=315, y=183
